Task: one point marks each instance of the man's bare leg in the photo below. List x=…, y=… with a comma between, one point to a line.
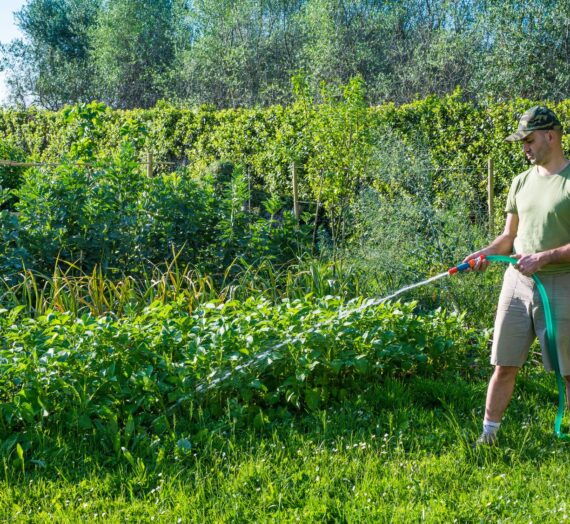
x=500, y=391
x=499, y=394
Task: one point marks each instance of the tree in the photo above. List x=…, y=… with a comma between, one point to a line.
x=402, y=50
x=134, y=50
x=51, y=67
x=345, y=38
x=526, y=50
x=241, y=53
x=131, y=53
x=433, y=50
x=340, y=139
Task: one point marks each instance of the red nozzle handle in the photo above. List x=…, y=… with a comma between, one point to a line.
x=466, y=265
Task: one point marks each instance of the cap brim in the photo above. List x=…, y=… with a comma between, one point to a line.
x=519, y=135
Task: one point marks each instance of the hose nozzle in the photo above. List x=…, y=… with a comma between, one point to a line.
x=465, y=265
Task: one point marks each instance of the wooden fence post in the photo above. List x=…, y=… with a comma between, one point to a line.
x=149, y=165
x=317, y=212
x=296, y=208
x=491, y=195
x=248, y=190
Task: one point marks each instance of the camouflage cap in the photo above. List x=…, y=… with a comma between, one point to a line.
x=538, y=117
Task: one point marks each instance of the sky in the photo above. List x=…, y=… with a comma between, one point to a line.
x=8, y=31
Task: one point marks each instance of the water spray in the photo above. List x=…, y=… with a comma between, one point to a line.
x=273, y=353
x=464, y=266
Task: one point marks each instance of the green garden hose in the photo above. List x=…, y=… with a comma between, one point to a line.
x=551, y=343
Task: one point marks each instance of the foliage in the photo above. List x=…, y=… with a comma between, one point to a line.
x=108, y=375
x=52, y=66
x=413, y=223
x=78, y=213
x=131, y=53
x=99, y=208
x=239, y=53
x=338, y=136
x=114, y=217
x=331, y=137
x=224, y=211
x=10, y=176
x=542, y=28
x=12, y=254
x=459, y=135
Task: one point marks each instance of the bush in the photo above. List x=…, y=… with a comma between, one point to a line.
x=212, y=211
x=460, y=135
x=10, y=176
x=12, y=254
x=113, y=216
x=98, y=375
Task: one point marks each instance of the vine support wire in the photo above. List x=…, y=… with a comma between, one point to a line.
x=150, y=163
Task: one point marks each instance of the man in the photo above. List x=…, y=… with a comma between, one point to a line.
x=537, y=231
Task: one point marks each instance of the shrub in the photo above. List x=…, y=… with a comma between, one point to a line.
x=10, y=176
x=98, y=375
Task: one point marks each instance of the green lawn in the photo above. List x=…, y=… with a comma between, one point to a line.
x=399, y=453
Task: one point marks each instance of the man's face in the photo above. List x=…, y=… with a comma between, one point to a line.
x=536, y=147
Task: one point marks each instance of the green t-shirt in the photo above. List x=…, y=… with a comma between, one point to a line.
x=542, y=203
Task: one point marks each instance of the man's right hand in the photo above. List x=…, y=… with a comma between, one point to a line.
x=480, y=264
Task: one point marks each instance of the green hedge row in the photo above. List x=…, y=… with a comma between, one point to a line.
x=460, y=136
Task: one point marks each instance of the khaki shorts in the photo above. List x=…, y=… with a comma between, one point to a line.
x=520, y=319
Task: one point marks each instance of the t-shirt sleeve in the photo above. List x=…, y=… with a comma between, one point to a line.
x=511, y=206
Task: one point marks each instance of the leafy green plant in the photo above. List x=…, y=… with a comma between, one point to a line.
x=109, y=375
x=12, y=254
x=10, y=176
x=340, y=139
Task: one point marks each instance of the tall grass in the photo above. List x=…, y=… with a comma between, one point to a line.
x=68, y=289
x=71, y=291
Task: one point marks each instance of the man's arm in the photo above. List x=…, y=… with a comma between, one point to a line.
x=502, y=245
x=559, y=255
x=530, y=264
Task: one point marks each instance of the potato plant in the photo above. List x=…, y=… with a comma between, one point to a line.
x=116, y=377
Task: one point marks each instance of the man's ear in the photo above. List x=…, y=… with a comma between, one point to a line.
x=554, y=135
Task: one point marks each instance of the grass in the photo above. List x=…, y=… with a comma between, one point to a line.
x=397, y=453
x=69, y=289
x=393, y=451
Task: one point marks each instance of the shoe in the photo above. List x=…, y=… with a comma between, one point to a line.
x=486, y=440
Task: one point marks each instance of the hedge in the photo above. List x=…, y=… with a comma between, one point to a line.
x=460, y=135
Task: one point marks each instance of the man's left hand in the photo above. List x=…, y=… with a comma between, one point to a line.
x=529, y=264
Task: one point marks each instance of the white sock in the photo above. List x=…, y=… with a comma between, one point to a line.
x=490, y=427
